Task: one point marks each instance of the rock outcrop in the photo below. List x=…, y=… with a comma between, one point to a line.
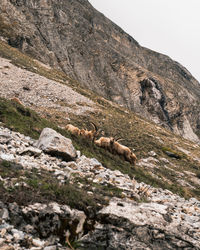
x=38, y=225
x=74, y=37
x=55, y=144
x=127, y=225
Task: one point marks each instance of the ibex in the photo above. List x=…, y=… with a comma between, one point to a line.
x=15, y=99
x=104, y=142
x=123, y=151
x=90, y=134
x=72, y=129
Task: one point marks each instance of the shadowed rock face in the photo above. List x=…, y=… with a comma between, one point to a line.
x=74, y=37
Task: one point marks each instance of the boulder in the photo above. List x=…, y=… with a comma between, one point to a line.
x=125, y=224
x=54, y=219
x=57, y=145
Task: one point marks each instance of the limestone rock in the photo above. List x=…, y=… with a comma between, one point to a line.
x=31, y=151
x=128, y=225
x=55, y=144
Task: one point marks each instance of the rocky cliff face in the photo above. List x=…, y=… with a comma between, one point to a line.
x=74, y=37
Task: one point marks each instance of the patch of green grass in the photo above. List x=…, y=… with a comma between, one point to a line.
x=143, y=176
x=108, y=190
x=172, y=153
x=44, y=188
x=26, y=121
x=22, y=119
x=9, y=169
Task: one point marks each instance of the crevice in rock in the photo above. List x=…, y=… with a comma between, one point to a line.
x=154, y=99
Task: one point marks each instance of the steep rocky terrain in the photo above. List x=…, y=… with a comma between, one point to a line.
x=74, y=37
x=93, y=199
x=162, y=220
x=61, y=191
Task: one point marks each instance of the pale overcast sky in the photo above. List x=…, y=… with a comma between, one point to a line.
x=171, y=27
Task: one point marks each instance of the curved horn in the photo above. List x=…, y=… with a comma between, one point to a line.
x=119, y=139
x=94, y=126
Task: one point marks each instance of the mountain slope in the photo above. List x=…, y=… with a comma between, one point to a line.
x=98, y=200
x=74, y=37
x=164, y=159
x=40, y=194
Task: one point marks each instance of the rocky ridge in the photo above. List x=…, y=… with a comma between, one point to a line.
x=83, y=43
x=161, y=220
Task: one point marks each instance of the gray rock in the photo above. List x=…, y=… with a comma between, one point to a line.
x=57, y=145
x=152, y=153
x=52, y=218
x=173, y=155
x=38, y=243
x=124, y=224
x=4, y=214
x=18, y=235
x=32, y=151
x=7, y=157
x=50, y=248
x=78, y=153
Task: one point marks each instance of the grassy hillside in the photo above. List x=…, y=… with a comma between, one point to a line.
x=26, y=121
x=138, y=134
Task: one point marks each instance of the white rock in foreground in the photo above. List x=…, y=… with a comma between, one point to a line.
x=55, y=144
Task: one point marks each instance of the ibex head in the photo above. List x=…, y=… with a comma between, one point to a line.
x=95, y=130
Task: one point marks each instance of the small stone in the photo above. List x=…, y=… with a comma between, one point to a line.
x=152, y=153
x=18, y=235
x=164, y=160
x=90, y=193
x=3, y=231
x=55, y=207
x=5, y=225
x=117, y=173
x=9, y=237
x=35, y=248
x=78, y=153
x=38, y=243
x=7, y=157
x=2, y=241
x=50, y=248
x=4, y=214
x=29, y=229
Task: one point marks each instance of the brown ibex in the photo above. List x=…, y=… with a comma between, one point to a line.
x=72, y=129
x=123, y=151
x=15, y=99
x=104, y=142
x=90, y=134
